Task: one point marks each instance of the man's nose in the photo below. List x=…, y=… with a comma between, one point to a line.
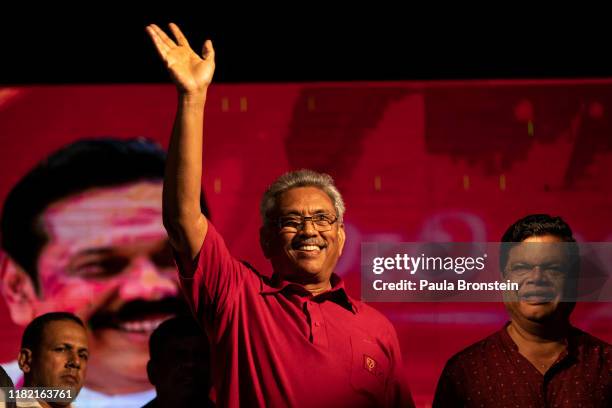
x=74, y=361
x=308, y=228
x=537, y=275
x=145, y=280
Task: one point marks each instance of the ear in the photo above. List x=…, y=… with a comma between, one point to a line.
x=18, y=291
x=151, y=372
x=265, y=238
x=25, y=360
x=341, y=238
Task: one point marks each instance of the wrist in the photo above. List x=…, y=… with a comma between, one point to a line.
x=193, y=97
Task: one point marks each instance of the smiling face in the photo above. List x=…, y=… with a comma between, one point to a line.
x=540, y=266
x=61, y=358
x=307, y=255
x=107, y=260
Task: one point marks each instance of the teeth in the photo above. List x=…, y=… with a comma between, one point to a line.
x=309, y=247
x=141, y=326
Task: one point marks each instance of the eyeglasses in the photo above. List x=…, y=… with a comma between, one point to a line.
x=293, y=223
x=522, y=269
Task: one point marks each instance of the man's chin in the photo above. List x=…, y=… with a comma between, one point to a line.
x=311, y=270
x=538, y=310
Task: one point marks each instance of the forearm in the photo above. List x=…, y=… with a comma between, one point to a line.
x=183, y=179
x=192, y=74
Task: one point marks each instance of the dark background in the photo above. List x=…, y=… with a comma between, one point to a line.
x=105, y=42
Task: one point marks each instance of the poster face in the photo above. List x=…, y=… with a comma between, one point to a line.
x=416, y=162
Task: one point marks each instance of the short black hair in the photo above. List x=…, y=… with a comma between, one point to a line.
x=33, y=333
x=537, y=225
x=175, y=327
x=79, y=166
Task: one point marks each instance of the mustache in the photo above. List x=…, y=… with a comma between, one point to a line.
x=138, y=310
x=544, y=292
x=541, y=285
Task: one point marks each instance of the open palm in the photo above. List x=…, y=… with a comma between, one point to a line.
x=190, y=72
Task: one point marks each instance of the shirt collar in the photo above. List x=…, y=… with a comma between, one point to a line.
x=337, y=294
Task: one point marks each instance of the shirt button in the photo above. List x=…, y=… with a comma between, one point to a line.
x=317, y=324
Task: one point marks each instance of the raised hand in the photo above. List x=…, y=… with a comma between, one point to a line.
x=190, y=72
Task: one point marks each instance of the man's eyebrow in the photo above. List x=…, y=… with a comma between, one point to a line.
x=67, y=345
x=72, y=346
x=316, y=211
x=290, y=215
x=95, y=251
x=292, y=212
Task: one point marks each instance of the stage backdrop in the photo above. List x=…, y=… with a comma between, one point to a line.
x=435, y=161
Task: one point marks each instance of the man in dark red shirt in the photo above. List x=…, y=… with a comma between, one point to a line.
x=537, y=359
x=297, y=338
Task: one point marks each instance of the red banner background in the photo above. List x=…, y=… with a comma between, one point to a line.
x=435, y=161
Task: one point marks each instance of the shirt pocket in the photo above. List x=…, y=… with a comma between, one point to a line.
x=369, y=368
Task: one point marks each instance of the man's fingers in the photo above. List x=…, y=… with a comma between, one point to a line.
x=208, y=51
x=162, y=36
x=161, y=47
x=178, y=34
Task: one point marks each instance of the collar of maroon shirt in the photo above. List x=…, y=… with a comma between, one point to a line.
x=337, y=294
x=570, y=352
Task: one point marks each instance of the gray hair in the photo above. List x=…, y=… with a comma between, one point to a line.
x=300, y=178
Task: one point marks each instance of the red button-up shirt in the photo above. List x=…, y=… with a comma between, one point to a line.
x=492, y=373
x=274, y=344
